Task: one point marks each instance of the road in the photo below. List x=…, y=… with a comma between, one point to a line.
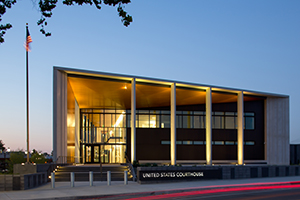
x=274, y=191
x=280, y=194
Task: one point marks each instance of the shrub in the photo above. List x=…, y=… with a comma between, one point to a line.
x=37, y=158
x=15, y=158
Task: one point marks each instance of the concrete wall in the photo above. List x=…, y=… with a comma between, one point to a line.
x=10, y=182
x=59, y=116
x=277, y=133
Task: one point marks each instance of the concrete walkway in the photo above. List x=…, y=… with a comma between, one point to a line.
x=82, y=189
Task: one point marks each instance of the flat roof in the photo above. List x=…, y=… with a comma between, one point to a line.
x=164, y=82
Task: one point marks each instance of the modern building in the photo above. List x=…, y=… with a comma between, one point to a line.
x=115, y=118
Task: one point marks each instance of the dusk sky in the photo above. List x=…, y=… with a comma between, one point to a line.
x=252, y=45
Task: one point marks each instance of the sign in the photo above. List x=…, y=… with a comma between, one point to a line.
x=182, y=174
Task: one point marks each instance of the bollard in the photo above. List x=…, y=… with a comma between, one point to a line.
x=108, y=177
x=125, y=177
x=53, y=180
x=91, y=178
x=72, y=179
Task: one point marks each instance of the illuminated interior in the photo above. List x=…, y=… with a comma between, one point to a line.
x=104, y=103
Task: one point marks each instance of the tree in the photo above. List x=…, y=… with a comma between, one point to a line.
x=2, y=148
x=17, y=157
x=46, y=7
x=37, y=157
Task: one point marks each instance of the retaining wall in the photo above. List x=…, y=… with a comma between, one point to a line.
x=171, y=173
x=22, y=182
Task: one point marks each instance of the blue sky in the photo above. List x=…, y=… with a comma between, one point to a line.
x=252, y=45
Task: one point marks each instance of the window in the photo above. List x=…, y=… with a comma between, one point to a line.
x=156, y=112
x=144, y=121
x=219, y=143
x=249, y=123
x=187, y=121
x=249, y=143
x=184, y=119
x=165, y=142
x=229, y=142
x=165, y=121
x=142, y=111
x=198, y=142
x=229, y=122
x=218, y=122
x=178, y=121
x=154, y=121
x=103, y=126
x=187, y=142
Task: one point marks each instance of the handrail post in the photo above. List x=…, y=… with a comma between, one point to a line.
x=125, y=177
x=91, y=178
x=108, y=178
x=53, y=180
x=72, y=179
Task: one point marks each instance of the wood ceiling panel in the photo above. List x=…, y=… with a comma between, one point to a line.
x=148, y=96
x=97, y=93
x=93, y=93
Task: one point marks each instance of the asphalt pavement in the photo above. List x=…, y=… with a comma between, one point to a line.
x=117, y=189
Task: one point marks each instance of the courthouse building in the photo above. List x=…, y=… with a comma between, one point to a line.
x=116, y=118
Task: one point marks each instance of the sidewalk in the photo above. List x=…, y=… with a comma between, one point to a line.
x=82, y=189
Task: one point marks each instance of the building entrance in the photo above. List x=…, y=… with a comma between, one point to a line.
x=94, y=153
x=103, y=135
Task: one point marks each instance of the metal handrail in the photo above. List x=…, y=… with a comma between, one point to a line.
x=131, y=168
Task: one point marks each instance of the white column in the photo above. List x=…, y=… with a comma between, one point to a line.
x=208, y=127
x=173, y=124
x=60, y=98
x=77, y=132
x=240, y=136
x=133, y=112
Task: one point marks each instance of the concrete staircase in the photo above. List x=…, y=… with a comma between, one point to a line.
x=82, y=172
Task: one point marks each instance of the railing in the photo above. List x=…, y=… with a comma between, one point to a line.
x=131, y=169
x=64, y=159
x=113, y=138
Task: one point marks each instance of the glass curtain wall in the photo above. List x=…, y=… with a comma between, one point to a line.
x=190, y=119
x=103, y=135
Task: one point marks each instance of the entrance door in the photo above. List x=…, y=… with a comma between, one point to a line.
x=107, y=153
x=96, y=154
x=93, y=153
x=88, y=154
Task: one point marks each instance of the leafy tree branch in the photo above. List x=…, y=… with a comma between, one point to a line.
x=46, y=8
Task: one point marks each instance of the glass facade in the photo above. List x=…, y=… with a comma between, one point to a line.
x=103, y=131
x=166, y=142
x=103, y=135
x=190, y=119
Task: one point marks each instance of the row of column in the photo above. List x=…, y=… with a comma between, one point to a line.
x=240, y=131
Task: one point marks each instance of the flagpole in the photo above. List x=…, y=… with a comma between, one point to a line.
x=27, y=97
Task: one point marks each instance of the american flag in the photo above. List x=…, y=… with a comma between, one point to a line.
x=28, y=40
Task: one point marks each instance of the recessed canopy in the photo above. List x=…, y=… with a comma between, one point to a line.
x=99, y=92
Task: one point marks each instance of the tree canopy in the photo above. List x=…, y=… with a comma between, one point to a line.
x=46, y=7
x=2, y=148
